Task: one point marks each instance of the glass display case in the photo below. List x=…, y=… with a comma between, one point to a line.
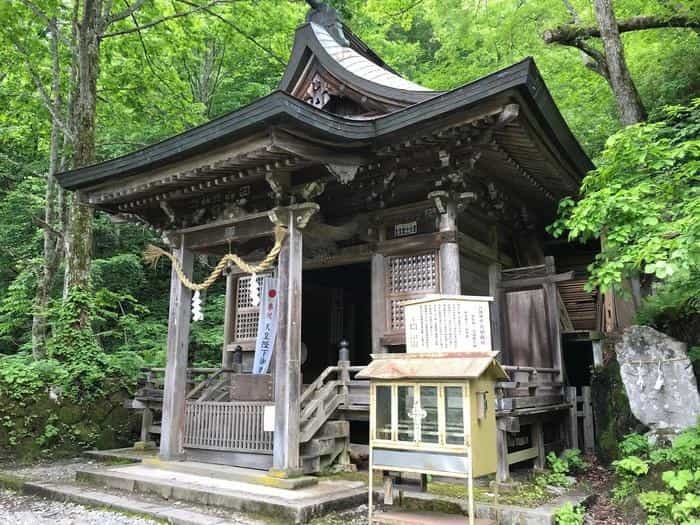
x=433, y=414
x=425, y=416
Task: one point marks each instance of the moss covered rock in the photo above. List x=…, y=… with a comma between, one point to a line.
x=611, y=407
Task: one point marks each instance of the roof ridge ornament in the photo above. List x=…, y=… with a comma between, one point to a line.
x=326, y=16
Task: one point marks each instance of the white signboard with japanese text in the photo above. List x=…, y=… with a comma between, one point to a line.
x=448, y=323
x=267, y=326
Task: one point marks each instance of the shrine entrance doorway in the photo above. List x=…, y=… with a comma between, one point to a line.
x=335, y=306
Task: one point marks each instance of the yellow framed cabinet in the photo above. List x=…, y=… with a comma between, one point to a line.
x=432, y=413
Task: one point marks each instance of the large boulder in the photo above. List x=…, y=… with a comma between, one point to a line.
x=658, y=379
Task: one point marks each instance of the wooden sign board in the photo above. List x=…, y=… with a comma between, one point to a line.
x=448, y=323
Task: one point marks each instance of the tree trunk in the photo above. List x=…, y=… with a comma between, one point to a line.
x=629, y=104
x=78, y=235
x=51, y=213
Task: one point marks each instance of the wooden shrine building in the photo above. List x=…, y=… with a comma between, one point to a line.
x=388, y=191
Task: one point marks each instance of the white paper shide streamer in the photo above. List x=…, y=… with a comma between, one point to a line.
x=197, y=313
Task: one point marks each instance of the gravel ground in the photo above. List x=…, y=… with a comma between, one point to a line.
x=61, y=470
x=16, y=509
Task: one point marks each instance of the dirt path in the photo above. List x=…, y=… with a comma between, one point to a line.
x=602, y=512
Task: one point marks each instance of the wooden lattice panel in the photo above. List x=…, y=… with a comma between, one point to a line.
x=247, y=315
x=408, y=277
x=412, y=273
x=228, y=426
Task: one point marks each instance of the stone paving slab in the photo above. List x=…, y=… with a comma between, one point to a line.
x=165, y=511
x=293, y=506
x=245, y=475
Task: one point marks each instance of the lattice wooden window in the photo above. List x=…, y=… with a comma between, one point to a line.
x=408, y=277
x=246, y=323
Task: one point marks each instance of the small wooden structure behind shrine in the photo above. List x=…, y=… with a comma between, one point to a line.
x=388, y=191
x=433, y=408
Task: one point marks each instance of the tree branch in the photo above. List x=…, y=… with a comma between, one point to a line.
x=566, y=34
x=203, y=7
x=46, y=99
x=239, y=31
x=125, y=13
x=38, y=12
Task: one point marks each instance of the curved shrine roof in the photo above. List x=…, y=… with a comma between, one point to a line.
x=339, y=104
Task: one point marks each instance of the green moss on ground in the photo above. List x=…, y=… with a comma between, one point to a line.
x=524, y=494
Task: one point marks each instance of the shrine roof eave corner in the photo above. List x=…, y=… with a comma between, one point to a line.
x=350, y=66
x=520, y=82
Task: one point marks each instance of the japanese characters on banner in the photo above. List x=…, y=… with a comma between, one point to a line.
x=267, y=326
x=454, y=324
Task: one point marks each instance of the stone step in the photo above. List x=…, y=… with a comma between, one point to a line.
x=322, y=446
x=81, y=495
x=290, y=506
x=245, y=475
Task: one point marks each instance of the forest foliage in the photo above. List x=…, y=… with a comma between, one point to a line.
x=167, y=77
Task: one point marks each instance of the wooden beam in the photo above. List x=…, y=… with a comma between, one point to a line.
x=309, y=150
x=177, y=171
x=360, y=253
x=532, y=282
x=230, y=230
x=407, y=245
x=471, y=246
x=175, y=383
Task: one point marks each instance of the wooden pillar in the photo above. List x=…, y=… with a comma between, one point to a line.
x=496, y=307
x=551, y=294
x=537, y=439
x=378, y=303
x=229, y=319
x=285, y=453
x=588, y=427
x=502, y=467
x=573, y=416
x=175, y=385
x=450, y=278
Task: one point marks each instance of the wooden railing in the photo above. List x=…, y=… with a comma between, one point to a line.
x=332, y=390
x=235, y=426
x=529, y=387
x=151, y=382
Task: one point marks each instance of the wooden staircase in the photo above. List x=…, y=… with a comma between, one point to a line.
x=325, y=442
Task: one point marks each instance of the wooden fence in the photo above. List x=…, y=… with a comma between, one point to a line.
x=584, y=413
x=235, y=426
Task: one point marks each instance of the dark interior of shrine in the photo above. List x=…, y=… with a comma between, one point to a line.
x=335, y=306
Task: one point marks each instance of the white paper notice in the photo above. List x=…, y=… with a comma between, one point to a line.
x=267, y=327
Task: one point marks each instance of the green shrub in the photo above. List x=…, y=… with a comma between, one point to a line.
x=631, y=466
x=560, y=467
x=71, y=400
x=687, y=511
x=656, y=503
x=569, y=514
x=634, y=445
x=675, y=468
x=574, y=460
